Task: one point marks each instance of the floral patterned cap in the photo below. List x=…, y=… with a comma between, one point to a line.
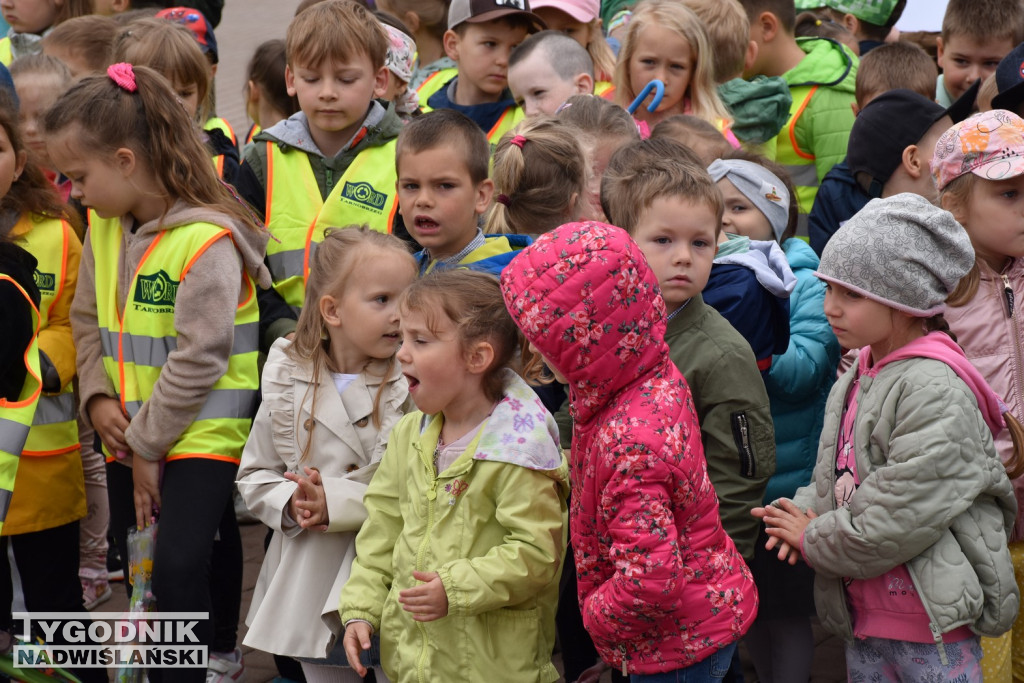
x=990, y=145
x=401, y=53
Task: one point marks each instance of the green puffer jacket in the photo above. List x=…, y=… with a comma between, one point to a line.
x=933, y=495
x=493, y=526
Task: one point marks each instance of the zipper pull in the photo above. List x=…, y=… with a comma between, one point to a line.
x=1008, y=293
x=622, y=652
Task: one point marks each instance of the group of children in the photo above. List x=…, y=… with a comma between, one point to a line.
x=438, y=200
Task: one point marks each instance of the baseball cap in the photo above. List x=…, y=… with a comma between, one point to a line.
x=1010, y=80
x=194, y=21
x=875, y=12
x=882, y=130
x=990, y=145
x=584, y=11
x=478, y=11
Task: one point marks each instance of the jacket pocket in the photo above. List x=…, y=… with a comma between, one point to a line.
x=742, y=436
x=506, y=630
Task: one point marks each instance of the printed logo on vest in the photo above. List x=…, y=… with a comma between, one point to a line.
x=46, y=282
x=364, y=194
x=156, y=290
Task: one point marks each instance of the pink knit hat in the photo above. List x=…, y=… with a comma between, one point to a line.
x=989, y=144
x=584, y=11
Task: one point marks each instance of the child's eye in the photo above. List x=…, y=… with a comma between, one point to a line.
x=1010, y=194
x=410, y=186
x=647, y=61
x=661, y=240
x=679, y=66
x=963, y=63
x=701, y=243
x=382, y=299
x=446, y=186
x=738, y=207
x=490, y=44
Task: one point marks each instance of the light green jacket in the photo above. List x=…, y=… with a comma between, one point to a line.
x=493, y=525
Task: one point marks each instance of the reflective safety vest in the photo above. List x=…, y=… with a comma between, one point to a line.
x=16, y=416
x=297, y=215
x=55, y=429
x=506, y=122
x=798, y=163
x=6, y=55
x=216, y=123
x=605, y=89
x=137, y=340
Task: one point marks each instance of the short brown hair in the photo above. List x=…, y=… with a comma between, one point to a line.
x=433, y=14
x=697, y=134
x=89, y=38
x=445, y=128
x=650, y=169
x=892, y=66
x=335, y=30
x=728, y=32
x=984, y=21
x=784, y=11
x=472, y=301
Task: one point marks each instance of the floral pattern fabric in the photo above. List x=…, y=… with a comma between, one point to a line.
x=661, y=584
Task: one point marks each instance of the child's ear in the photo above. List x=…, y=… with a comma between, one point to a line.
x=939, y=49
x=480, y=357
x=380, y=82
x=289, y=80
x=950, y=203
x=329, y=311
x=912, y=161
x=252, y=93
x=412, y=21
x=584, y=84
x=751, y=55
x=125, y=160
x=484, y=192
x=768, y=24
x=19, y=163
x=851, y=24
x=450, y=40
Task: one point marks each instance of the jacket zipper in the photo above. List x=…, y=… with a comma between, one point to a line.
x=746, y=452
x=1018, y=379
x=622, y=653
x=431, y=497
x=328, y=179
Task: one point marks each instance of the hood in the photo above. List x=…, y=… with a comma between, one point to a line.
x=827, y=63
x=938, y=346
x=294, y=130
x=759, y=107
x=584, y=296
x=768, y=262
x=251, y=244
x=799, y=254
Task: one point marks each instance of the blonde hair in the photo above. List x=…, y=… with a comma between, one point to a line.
x=331, y=266
x=472, y=301
x=168, y=48
x=600, y=52
x=672, y=15
x=728, y=34
x=335, y=30
x=988, y=90
x=956, y=198
x=89, y=38
x=536, y=179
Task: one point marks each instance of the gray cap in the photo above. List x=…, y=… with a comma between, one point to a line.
x=478, y=11
x=901, y=251
x=763, y=188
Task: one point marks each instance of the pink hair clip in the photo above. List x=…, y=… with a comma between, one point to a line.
x=504, y=199
x=518, y=141
x=123, y=74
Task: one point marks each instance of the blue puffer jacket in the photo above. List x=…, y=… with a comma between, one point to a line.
x=800, y=379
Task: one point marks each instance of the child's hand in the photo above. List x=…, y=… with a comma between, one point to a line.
x=357, y=640
x=427, y=601
x=592, y=674
x=308, y=505
x=146, y=476
x=785, y=523
x=109, y=421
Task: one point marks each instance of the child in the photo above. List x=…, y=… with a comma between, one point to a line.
x=977, y=166
x=267, y=101
x=888, y=67
x=869, y=22
x=581, y=21
x=308, y=484
x=49, y=491
x=39, y=80
x=459, y=557
x=813, y=25
x=540, y=175
x=654, y=598
x=661, y=194
x=546, y=70
x=480, y=38
x=443, y=189
x=976, y=35
x=666, y=41
x=697, y=134
x=904, y=527
x=428, y=21
x=30, y=19
x=400, y=58
x=179, y=409
x=606, y=127
x=170, y=48
x=821, y=76
x=758, y=204
x=84, y=44
x=331, y=163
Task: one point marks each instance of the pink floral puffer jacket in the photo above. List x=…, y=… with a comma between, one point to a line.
x=661, y=584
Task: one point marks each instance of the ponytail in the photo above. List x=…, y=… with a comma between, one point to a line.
x=938, y=323
x=1015, y=465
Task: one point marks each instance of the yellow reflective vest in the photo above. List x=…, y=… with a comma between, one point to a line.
x=55, y=429
x=798, y=163
x=222, y=125
x=137, y=340
x=297, y=215
x=6, y=55
x=508, y=120
x=16, y=416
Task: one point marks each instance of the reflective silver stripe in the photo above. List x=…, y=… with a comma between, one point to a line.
x=108, y=340
x=220, y=404
x=286, y=264
x=54, y=409
x=12, y=436
x=802, y=175
x=153, y=351
x=5, y=502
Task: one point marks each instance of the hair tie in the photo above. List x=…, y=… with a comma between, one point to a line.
x=504, y=199
x=518, y=141
x=123, y=74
